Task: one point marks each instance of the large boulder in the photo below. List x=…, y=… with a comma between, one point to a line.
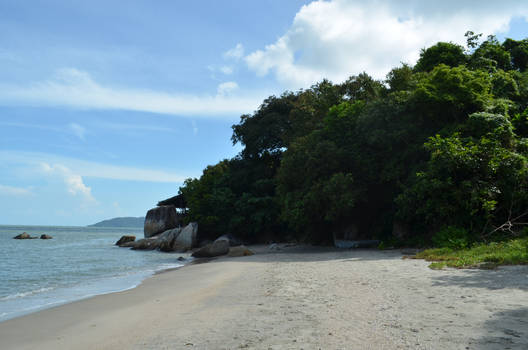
x=24, y=235
x=217, y=248
x=239, y=251
x=179, y=239
x=160, y=219
x=45, y=236
x=125, y=239
x=166, y=239
x=188, y=237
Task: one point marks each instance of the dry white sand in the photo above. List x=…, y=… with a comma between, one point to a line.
x=296, y=298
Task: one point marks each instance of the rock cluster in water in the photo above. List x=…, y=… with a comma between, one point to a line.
x=26, y=235
x=125, y=239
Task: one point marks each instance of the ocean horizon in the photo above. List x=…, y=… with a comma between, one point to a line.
x=79, y=262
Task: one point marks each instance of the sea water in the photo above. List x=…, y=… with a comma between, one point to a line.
x=77, y=263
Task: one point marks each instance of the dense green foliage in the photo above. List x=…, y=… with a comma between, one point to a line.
x=436, y=153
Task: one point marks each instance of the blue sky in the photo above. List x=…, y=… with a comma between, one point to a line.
x=107, y=106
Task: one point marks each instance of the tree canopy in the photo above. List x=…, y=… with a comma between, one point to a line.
x=435, y=148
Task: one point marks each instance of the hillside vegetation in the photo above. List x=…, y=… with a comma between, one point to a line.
x=121, y=222
x=436, y=154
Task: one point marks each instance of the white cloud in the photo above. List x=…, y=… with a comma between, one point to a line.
x=78, y=130
x=131, y=127
x=76, y=89
x=31, y=126
x=72, y=128
x=227, y=70
x=339, y=38
x=74, y=182
x=227, y=88
x=93, y=169
x=224, y=69
x=14, y=191
x=235, y=53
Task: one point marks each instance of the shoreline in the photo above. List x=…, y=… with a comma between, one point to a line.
x=89, y=289
x=298, y=297
x=188, y=261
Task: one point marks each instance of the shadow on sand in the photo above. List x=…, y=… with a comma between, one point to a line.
x=299, y=253
x=506, y=330
x=503, y=277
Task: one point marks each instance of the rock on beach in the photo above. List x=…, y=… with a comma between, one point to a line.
x=240, y=251
x=217, y=248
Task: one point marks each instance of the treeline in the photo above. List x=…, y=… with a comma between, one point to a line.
x=436, y=153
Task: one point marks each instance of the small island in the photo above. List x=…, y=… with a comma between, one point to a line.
x=121, y=222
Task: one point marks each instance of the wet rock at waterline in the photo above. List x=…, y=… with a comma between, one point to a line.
x=24, y=235
x=173, y=240
x=125, y=239
x=144, y=244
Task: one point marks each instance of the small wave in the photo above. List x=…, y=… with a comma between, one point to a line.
x=25, y=294
x=169, y=266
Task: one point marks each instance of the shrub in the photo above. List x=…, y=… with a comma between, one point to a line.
x=452, y=237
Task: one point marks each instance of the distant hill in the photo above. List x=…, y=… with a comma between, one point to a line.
x=121, y=222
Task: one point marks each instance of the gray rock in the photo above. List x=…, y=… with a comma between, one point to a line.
x=125, y=239
x=166, y=240
x=160, y=219
x=45, y=236
x=146, y=244
x=173, y=240
x=240, y=250
x=217, y=248
x=188, y=237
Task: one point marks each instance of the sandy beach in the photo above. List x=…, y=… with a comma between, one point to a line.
x=295, y=298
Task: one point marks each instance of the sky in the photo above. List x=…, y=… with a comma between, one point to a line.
x=106, y=107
